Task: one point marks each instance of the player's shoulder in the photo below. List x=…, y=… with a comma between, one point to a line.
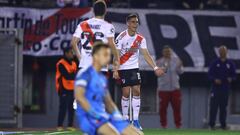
x=107, y=25
x=81, y=24
x=141, y=35
x=122, y=35
x=84, y=72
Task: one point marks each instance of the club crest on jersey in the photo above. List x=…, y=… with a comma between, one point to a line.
x=138, y=43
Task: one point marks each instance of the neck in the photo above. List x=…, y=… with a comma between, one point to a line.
x=97, y=66
x=131, y=33
x=99, y=17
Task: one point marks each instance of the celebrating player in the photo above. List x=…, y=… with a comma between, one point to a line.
x=92, y=96
x=129, y=42
x=92, y=30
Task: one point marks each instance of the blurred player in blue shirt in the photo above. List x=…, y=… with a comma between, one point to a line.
x=96, y=112
x=221, y=73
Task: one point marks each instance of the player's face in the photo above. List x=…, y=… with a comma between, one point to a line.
x=103, y=56
x=133, y=24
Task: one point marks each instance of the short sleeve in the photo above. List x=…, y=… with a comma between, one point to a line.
x=118, y=42
x=81, y=79
x=78, y=31
x=110, y=31
x=143, y=44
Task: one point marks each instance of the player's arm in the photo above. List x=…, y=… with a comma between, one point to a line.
x=114, y=50
x=110, y=105
x=79, y=93
x=74, y=44
x=143, y=49
x=112, y=108
x=116, y=59
x=148, y=58
x=79, y=96
x=158, y=71
x=75, y=41
x=111, y=42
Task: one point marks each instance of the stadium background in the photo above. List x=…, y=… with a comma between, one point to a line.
x=35, y=105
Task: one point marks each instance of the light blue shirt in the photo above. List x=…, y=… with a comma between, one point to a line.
x=95, y=85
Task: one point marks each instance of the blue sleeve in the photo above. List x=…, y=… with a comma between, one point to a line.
x=106, y=89
x=211, y=71
x=233, y=73
x=82, y=79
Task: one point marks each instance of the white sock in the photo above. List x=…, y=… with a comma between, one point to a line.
x=136, y=102
x=125, y=107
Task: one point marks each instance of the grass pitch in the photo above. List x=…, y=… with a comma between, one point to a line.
x=146, y=132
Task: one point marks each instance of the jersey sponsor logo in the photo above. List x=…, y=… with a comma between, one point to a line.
x=128, y=54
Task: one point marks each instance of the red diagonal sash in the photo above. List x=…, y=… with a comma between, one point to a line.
x=128, y=54
x=86, y=28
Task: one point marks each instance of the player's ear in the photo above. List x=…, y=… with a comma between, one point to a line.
x=127, y=23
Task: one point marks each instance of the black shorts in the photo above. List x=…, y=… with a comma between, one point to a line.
x=130, y=77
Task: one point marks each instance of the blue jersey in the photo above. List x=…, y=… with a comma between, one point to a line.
x=95, y=85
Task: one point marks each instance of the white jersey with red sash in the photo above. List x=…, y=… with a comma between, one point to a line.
x=129, y=49
x=89, y=31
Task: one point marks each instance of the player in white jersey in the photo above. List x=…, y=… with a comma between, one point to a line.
x=129, y=43
x=92, y=30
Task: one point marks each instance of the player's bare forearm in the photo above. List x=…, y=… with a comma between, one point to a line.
x=74, y=44
x=148, y=58
x=110, y=105
x=79, y=96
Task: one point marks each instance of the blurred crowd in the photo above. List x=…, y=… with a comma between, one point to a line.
x=156, y=4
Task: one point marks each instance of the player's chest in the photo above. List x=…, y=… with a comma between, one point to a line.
x=130, y=45
x=98, y=85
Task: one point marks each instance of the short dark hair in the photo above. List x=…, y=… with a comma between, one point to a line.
x=99, y=8
x=131, y=16
x=98, y=46
x=66, y=50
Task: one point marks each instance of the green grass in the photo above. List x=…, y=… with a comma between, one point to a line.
x=148, y=132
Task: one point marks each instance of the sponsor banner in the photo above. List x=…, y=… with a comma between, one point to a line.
x=46, y=32
x=193, y=35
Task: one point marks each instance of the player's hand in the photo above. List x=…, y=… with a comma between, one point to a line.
x=159, y=71
x=116, y=75
x=218, y=81
x=98, y=116
x=116, y=116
